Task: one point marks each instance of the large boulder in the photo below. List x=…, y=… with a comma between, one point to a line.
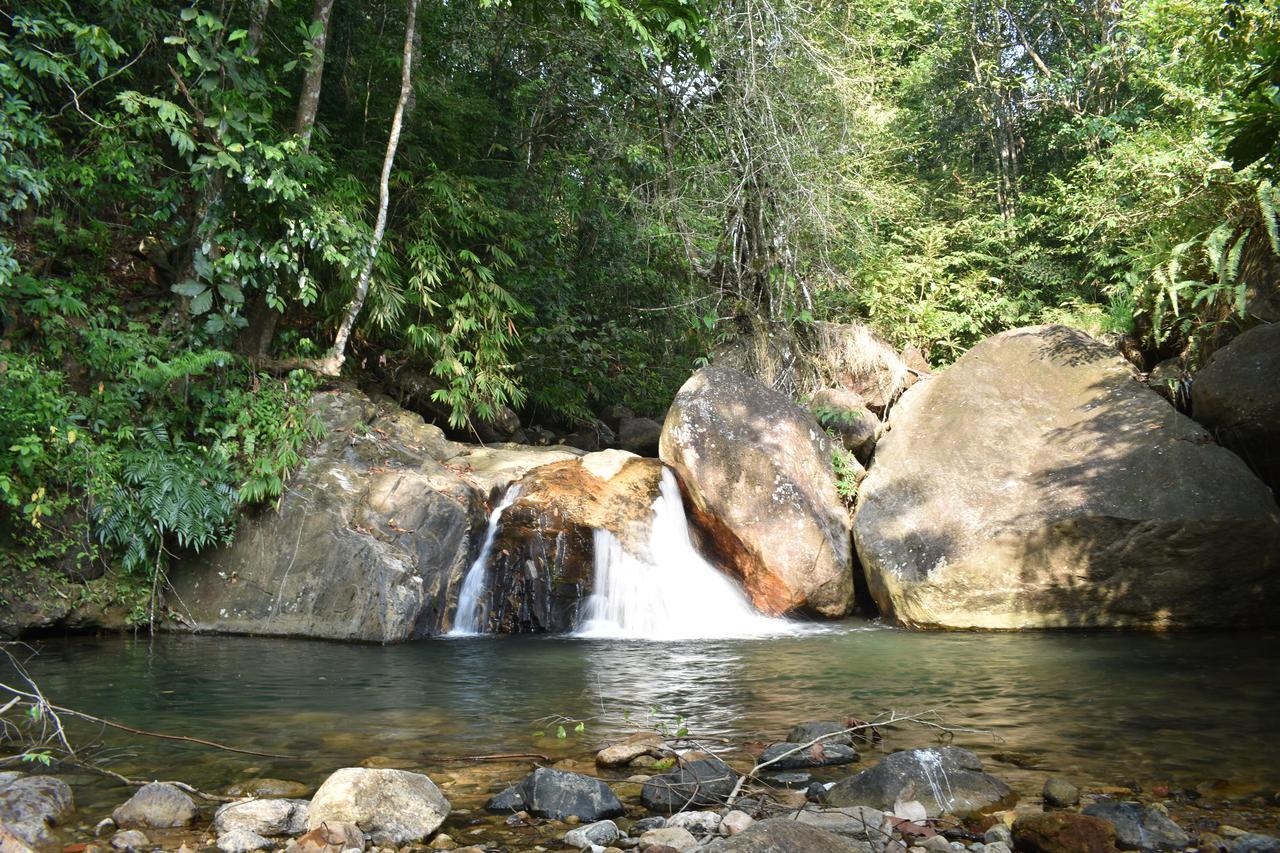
x=542, y=560
x=945, y=780
x=1237, y=396
x=760, y=483
x=30, y=805
x=1035, y=483
x=394, y=807
x=693, y=784
x=558, y=794
x=370, y=541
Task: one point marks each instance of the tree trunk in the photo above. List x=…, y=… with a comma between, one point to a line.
x=332, y=363
x=309, y=100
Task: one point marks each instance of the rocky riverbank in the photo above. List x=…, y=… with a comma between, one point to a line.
x=827, y=786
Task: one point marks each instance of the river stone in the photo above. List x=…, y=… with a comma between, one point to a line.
x=241, y=840
x=393, y=806
x=861, y=823
x=158, y=805
x=29, y=805
x=1063, y=832
x=1139, y=827
x=704, y=782
x=622, y=754
x=263, y=817
x=559, y=794
x=668, y=837
x=1252, y=842
x=760, y=484
x=734, y=822
x=699, y=823
x=329, y=837
x=269, y=788
x=819, y=755
x=945, y=780
x=369, y=541
x=602, y=833
x=640, y=436
x=805, y=732
x=784, y=835
x=1059, y=793
x=132, y=839
x=1237, y=397
x=1035, y=483
x=543, y=558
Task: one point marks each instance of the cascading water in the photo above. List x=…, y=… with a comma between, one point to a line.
x=470, y=619
x=678, y=595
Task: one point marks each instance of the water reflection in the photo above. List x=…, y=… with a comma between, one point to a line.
x=1182, y=708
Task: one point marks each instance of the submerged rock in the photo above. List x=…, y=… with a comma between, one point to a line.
x=1063, y=832
x=759, y=478
x=700, y=783
x=559, y=794
x=159, y=805
x=945, y=780
x=1140, y=827
x=1036, y=483
x=393, y=806
x=269, y=788
x=30, y=805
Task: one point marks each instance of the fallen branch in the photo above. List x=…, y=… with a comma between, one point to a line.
x=510, y=756
x=138, y=783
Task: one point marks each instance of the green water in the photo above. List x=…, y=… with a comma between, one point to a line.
x=1101, y=707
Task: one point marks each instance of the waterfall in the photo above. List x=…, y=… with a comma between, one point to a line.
x=472, y=612
x=678, y=595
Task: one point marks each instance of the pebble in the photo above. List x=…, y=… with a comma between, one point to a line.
x=1058, y=793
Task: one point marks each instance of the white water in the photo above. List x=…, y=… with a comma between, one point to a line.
x=470, y=618
x=677, y=596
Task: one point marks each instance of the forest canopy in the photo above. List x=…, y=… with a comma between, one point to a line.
x=551, y=207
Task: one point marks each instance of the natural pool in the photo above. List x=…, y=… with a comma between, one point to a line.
x=1103, y=708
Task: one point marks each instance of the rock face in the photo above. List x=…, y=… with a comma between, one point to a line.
x=759, y=480
x=705, y=782
x=30, y=805
x=1035, y=483
x=159, y=805
x=370, y=543
x=393, y=806
x=558, y=794
x=542, y=561
x=946, y=780
x=1237, y=396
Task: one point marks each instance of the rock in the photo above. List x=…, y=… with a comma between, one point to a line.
x=1035, y=483
x=734, y=822
x=11, y=842
x=673, y=837
x=701, y=824
x=30, y=805
x=558, y=794
x=542, y=562
x=393, y=806
x=912, y=810
x=241, y=840
x=622, y=754
x=591, y=437
x=1063, y=832
x=1169, y=380
x=861, y=823
x=1237, y=397
x=1059, y=793
x=103, y=826
x=645, y=824
x=262, y=817
x=601, y=833
x=784, y=835
x=946, y=780
x=614, y=415
x=996, y=847
x=1252, y=842
x=806, y=732
x=371, y=537
x=329, y=837
x=705, y=782
x=759, y=479
x=844, y=413
x=999, y=833
x=1139, y=827
x=269, y=788
x=132, y=839
x=819, y=755
x=640, y=436
x=158, y=805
